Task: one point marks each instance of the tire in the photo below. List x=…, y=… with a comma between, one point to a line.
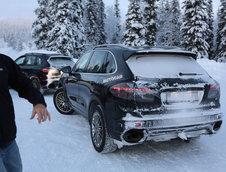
x=60, y=103
x=99, y=135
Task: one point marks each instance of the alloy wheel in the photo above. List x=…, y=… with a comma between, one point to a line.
x=97, y=129
x=61, y=104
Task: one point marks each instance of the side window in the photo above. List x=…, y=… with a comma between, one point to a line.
x=31, y=60
x=96, y=64
x=39, y=61
x=81, y=63
x=20, y=61
x=109, y=66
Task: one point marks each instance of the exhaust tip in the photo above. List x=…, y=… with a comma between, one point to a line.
x=217, y=126
x=133, y=136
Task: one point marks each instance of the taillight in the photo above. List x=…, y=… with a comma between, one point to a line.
x=215, y=86
x=46, y=70
x=214, y=91
x=130, y=91
x=123, y=90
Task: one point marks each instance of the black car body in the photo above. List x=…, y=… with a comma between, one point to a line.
x=44, y=69
x=131, y=95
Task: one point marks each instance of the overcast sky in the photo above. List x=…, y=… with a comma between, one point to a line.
x=25, y=8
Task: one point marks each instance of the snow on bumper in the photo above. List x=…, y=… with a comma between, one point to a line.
x=164, y=127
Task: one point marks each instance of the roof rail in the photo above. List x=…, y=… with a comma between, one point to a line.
x=156, y=47
x=110, y=46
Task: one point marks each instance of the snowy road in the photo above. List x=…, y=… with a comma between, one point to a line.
x=64, y=144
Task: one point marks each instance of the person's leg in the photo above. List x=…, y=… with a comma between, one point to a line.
x=2, y=166
x=12, y=159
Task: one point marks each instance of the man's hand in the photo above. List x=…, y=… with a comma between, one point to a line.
x=42, y=113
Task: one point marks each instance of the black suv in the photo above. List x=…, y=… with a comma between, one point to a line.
x=131, y=95
x=43, y=69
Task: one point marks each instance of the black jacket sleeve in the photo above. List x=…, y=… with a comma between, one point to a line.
x=23, y=85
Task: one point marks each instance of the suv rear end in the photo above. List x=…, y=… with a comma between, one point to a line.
x=170, y=97
x=132, y=95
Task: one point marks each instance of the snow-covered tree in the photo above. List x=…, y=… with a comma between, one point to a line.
x=221, y=33
x=94, y=22
x=66, y=33
x=195, y=27
x=149, y=20
x=164, y=34
x=210, y=32
x=176, y=23
x=40, y=27
x=117, y=35
x=100, y=22
x=60, y=36
x=16, y=33
x=3, y=44
x=110, y=25
x=135, y=31
x=76, y=11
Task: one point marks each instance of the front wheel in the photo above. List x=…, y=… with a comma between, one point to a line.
x=99, y=135
x=60, y=103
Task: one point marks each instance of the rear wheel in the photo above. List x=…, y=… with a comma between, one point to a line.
x=60, y=102
x=99, y=135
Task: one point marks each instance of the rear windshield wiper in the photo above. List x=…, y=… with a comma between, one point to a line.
x=183, y=74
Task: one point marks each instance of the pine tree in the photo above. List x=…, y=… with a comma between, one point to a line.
x=210, y=35
x=117, y=35
x=176, y=23
x=221, y=33
x=135, y=31
x=164, y=34
x=66, y=33
x=60, y=36
x=195, y=27
x=111, y=25
x=150, y=17
x=90, y=22
x=76, y=11
x=101, y=37
x=40, y=27
x=94, y=22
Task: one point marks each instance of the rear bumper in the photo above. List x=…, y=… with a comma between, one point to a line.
x=164, y=127
x=50, y=83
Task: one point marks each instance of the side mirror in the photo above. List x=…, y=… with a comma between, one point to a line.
x=66, y=69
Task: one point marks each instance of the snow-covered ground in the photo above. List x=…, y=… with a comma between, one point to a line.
x=64, y=144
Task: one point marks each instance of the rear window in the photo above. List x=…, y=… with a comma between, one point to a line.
x=164, y=66
x=61, y=61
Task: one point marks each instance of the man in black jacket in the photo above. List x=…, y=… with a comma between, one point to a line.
x=11, y=75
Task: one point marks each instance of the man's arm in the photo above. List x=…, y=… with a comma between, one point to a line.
x=23, y=85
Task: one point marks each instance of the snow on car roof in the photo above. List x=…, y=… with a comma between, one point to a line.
x=43, y=52
x=56, y=56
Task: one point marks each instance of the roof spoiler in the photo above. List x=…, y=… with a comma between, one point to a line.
x=129, y=53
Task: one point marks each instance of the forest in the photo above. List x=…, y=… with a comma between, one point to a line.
x=69, y=26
